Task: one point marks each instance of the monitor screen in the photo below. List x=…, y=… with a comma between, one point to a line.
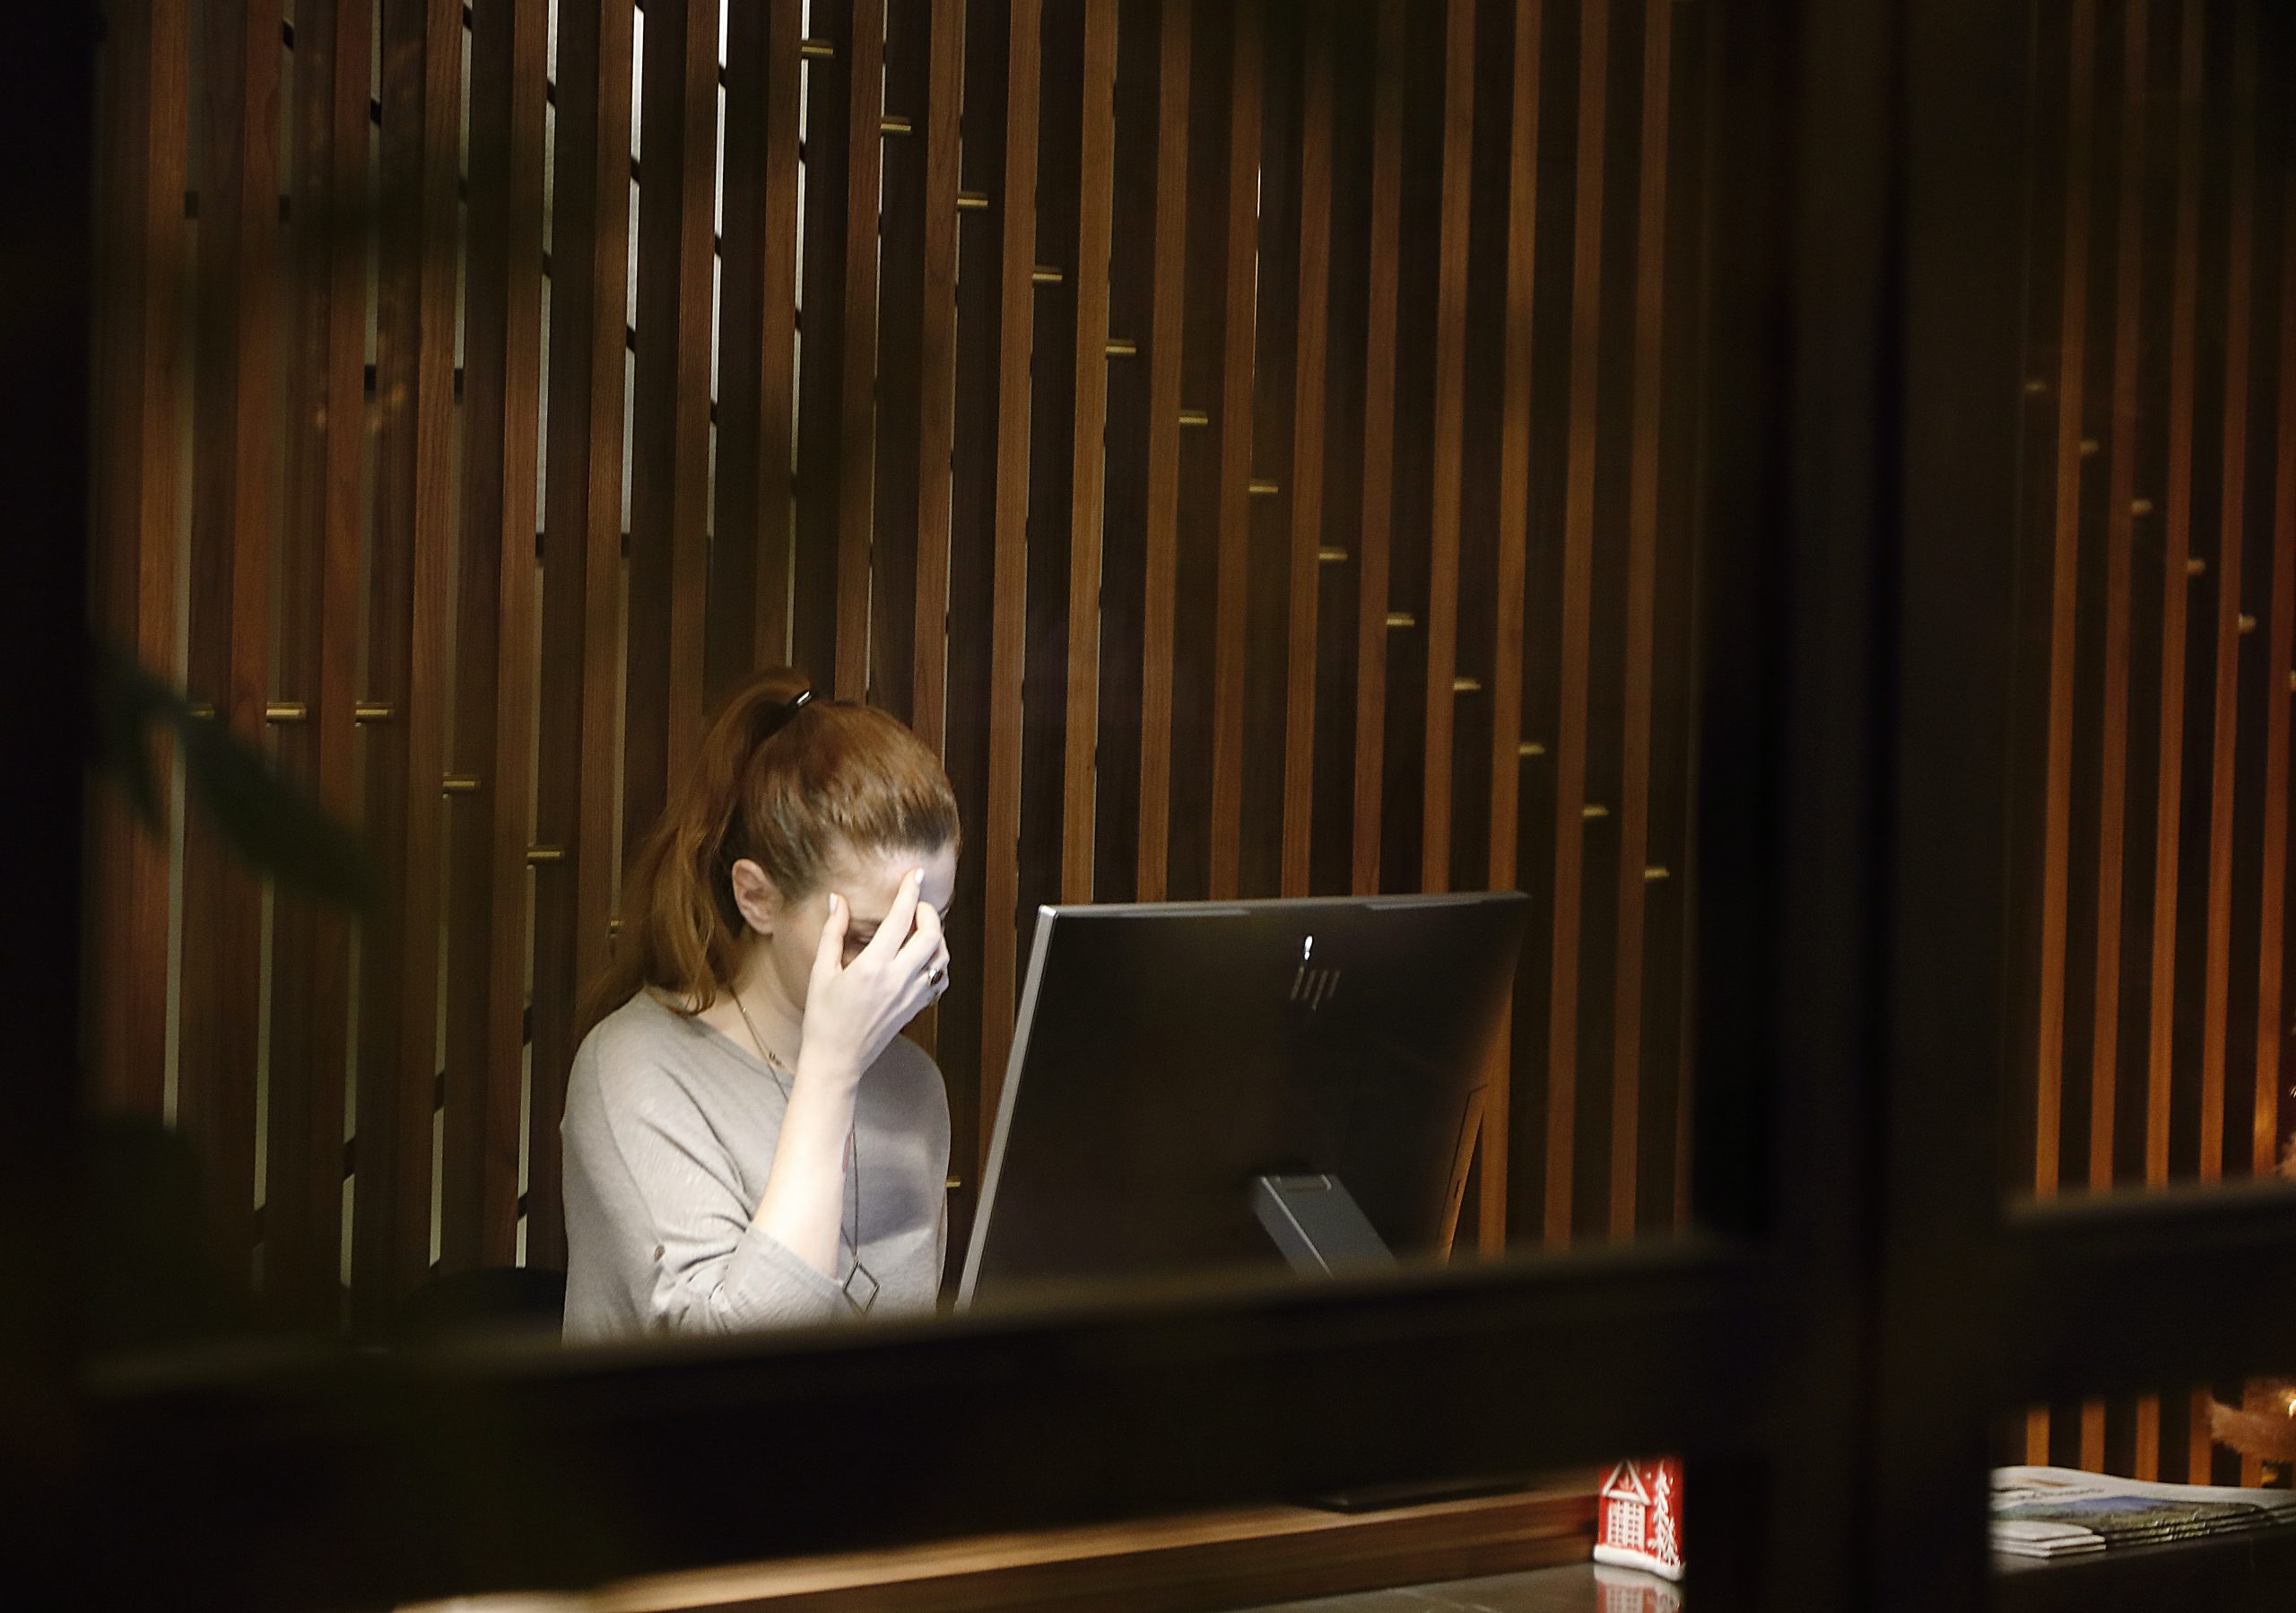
x=1182, y=1071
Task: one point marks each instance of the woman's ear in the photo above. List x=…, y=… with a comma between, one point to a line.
x=757, y=896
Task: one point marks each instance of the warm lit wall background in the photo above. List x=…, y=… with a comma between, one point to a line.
x=2160, y=627
x=1258, y=444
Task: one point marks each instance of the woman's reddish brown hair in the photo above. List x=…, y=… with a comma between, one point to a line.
x=792, y=792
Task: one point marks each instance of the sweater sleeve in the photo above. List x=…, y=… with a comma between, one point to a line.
x=682, y=1250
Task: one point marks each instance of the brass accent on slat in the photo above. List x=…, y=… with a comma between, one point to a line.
x=286, y=711
x=2194, y=566
x=371, y=711
x=953, y=1183
x=2088, y=447
x=200, y=708
x=2247, y=623
x=1195, y=417
x=972, y=201
x=817, y=50
x=1654, y=873
x=2291, y=680
x=460, y=784
x=1402, y=618
x=1466, y=686
x=1122, y=347
x=895, y=125
x=1530, y=747
x=536, y=854
x=2140, y=506
x=613, y=928
x=1044, y=273
x=1331, y=554
x=1594, y=809
x=2036, y=387
x=1262, y=486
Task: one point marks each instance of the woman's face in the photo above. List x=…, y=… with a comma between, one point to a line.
x=791, y=931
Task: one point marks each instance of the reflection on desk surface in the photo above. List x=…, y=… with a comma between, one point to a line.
x=1579, y=1588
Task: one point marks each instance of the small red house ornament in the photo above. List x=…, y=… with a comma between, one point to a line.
x=1639, y=1523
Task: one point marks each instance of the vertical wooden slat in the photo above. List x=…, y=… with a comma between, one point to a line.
x=1511, y=568
x=1306, y=473
x=1095, y=219
x=230, y=591
x=1233, y=422
x=2175, y=551
x=1578, y=567
x=581, y=569
x=669, y=464
x=937, y=365
x=862, y=63
x=1015, y=202
x=1641, y=603
x=1378, y=446
x=319, y=560
x=140, y=399
x=1160, y=606
x=2224, y=729
x=411, y=603
x=749, y=551
x=2119, y=529
x=486, y=995
x=1451, y=402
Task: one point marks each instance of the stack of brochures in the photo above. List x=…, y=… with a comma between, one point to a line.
x=2057, y=1511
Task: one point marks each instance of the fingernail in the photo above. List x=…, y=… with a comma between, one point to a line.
x=917, y=876
x=834, y=903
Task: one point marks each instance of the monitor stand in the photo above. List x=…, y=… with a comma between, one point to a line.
x=1323, y=1232
x=1317, y=1224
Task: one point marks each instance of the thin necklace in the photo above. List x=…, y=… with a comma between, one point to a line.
x=860, y=1284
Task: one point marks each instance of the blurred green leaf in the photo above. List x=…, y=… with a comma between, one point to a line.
x=271, y=824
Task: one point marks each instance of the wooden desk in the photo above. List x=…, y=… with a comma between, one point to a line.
x=1217, y=1561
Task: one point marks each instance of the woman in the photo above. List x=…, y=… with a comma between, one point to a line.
x=749, y=1141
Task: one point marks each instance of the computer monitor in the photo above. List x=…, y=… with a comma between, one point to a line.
x=1197, y=1086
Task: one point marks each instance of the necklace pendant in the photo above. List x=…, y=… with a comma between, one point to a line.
x=860, y=1288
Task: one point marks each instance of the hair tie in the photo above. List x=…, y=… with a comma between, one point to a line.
x=789, y=709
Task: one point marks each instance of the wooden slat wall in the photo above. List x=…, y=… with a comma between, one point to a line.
x=2160, y=383
x=1257, y=445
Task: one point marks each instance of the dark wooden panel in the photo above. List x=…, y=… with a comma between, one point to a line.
x=822, y=344
x=2175, y=552
x=1569, y=743
x=757, y=338
x=1014, y=203
x=669, y=461
x=1166, y=374
x=318, y=641
x=896, y=513
x=1306, y=476
x=1089, y=272
x=1373, y=586
x=2232, y=542
x=227, y=663
x=139, y=397
x=861, y=62
x=1231, y=427
x=494, y=648
x=1507, y=759
x=937, y=366
x=581, y=606
x=1627, y=1121
x=1270, y=488
x=410, y=606
x=1124, y=556
x=2280, y=668
x=1442, y=623
x=1053, y=451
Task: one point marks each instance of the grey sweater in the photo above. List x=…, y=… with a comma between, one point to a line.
x=669, y=1135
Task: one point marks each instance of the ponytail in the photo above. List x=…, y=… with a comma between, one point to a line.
x=789, y=781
